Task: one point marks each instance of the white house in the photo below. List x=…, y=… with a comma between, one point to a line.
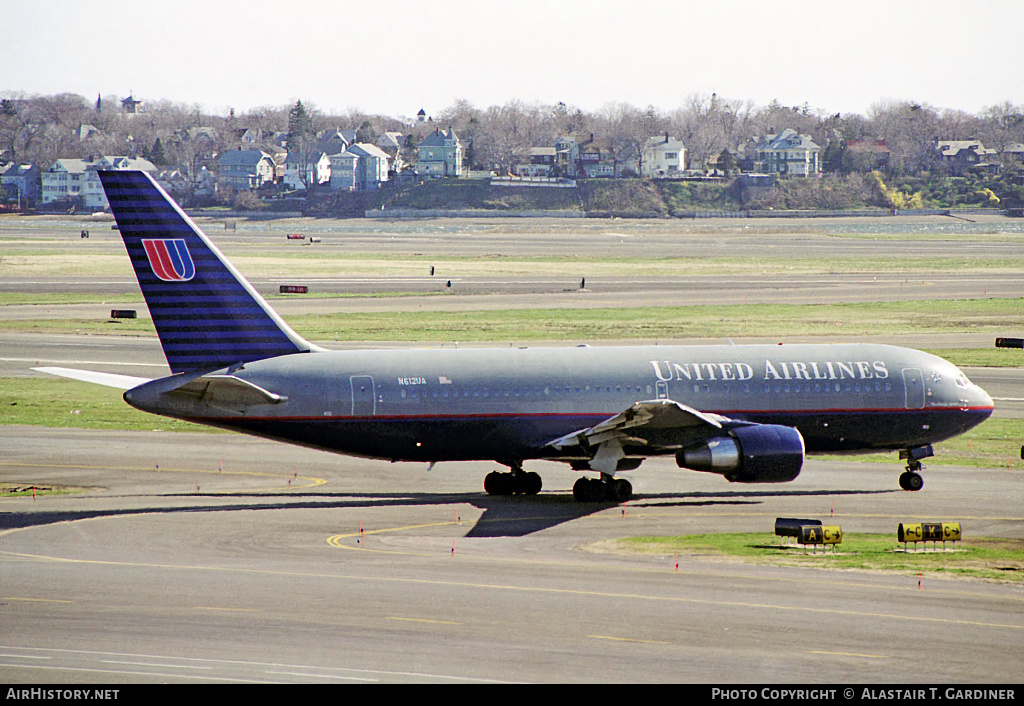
x=662, y=157
x=76, y=179
x=306, y=168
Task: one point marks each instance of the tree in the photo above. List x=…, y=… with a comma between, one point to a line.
x=298, y=126
x=626, y=130
x=157, y=155
x=301, y=141
x=22, y=126
x=366, y=134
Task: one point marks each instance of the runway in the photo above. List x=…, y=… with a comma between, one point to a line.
x=182, y=557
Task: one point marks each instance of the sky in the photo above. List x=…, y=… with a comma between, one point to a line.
x=398, y=56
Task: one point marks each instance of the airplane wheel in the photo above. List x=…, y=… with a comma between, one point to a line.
x=587, y=490
x=622, y=489
x=911, y=481
x=530, y=484
x=496, y=483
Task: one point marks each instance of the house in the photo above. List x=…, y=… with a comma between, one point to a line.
x=246, y=169
x=372, y=170
x=594, y=163
x=343, y=171
x=567, y=155
x=336, y=141
x=542, y=163
x=863, y=155
x=567, y=158
x=248, y=136
x=581, y=160
x=963, y=156
x=77, y=180
x=20, y=183
x=787, y=153
x=440, y=155
x=362, y=167
x=302, y=169
x=662, y=157
x=391, y=143
x=179, y=184
x=86, y=131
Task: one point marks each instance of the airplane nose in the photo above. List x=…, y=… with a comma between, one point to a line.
x=982, y=398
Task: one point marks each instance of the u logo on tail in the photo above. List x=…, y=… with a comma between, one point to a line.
x=170, y=259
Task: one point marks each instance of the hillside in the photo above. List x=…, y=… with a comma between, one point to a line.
x=643, y=198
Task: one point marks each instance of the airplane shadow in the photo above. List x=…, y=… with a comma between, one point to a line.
x=503, y=516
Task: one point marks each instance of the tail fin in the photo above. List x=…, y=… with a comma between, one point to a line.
x=206, y=314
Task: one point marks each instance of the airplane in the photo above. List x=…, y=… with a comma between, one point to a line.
x=747, y=412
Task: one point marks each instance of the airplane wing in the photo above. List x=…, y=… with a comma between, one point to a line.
x=741, y=451
x=642, y=424
x=121, y=382
x=652, y=414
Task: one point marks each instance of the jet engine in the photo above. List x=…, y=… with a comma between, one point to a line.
x=749, y=453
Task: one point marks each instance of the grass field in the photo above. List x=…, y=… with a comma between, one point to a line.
x=840, y=322
x=974, y=557
x=33, y=262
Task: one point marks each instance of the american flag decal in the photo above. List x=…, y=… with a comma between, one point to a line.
x=170, y=259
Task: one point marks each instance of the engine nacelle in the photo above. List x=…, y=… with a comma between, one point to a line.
x=749, y=453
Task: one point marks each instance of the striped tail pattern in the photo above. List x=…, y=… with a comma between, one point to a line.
x=206, y=314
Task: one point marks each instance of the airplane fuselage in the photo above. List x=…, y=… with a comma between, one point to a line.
x=507, y=404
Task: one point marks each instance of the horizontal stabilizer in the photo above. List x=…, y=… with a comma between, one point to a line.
x=121, y=382
x=227, y=391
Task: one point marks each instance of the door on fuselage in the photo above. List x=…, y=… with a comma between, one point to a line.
x=913, y=388
x=364, y=399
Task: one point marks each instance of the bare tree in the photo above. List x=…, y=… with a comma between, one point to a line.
x=626, y=129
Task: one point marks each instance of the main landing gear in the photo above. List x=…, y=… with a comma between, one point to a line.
x=515, y=482
x=608, y=489
x=911, y=479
